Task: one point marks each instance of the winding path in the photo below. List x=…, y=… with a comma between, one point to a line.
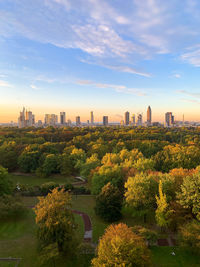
x=87, y=224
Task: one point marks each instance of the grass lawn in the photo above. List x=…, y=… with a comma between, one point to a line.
x=162, y=257
x=32, y=180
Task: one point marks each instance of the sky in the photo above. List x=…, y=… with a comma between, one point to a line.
x=106, y=56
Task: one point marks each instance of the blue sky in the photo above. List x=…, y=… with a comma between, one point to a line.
x=105, y=56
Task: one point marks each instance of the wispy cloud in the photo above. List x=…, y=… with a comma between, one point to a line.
x=189, y=93
x=190, y=100
x=192, y=57
x=119, y=68
x=4, y=84
x=117, y=88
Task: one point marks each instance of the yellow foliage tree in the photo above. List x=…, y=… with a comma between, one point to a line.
x=55, y=221
x=120, y=247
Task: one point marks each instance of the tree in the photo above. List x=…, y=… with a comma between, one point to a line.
x=106, y=174
x=5, y=183
x=56, y=222
x=162, y=212
x=109, y=203
x=119, y=246
x=189, y=194
x=189, y=236
x=140, y=192
x=50, y=165
x=29, y=161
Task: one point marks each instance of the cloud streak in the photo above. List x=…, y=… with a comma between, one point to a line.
x=117, y=88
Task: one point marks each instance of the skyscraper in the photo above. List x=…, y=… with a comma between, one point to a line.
x=127, y=118
x=62, y=118
x=105, y=120
x=50, y=119
x=21, y=119
x=92, y=117
x=133, y=119
x=169, y=119
x=149, y=116
x=26, y=119
x=78, y=121
x=139, y=120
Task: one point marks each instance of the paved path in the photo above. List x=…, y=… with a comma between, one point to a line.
x=87, y=225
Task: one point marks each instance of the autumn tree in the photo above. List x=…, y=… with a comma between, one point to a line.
x=189, y=194
x=162, y=212
x=119, y=246
x=56, y=222
x=109, y=203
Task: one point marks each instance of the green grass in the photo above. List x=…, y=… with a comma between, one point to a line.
x=33, y=180
x=162, y=257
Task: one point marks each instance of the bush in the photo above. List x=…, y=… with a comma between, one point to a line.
x=189, y=236
x=11, y=207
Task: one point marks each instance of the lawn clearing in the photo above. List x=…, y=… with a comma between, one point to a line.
x=33, y=180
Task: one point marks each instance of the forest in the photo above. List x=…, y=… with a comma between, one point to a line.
x=138, y=184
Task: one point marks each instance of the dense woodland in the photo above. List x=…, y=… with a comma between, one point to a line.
x=148, y=172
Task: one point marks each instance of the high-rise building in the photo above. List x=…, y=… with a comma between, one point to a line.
x=92, y=117
x=133, y=120
x=26, y=119
x=139, y=120
x=51, y=119
x=169, y=119
x=105, y=120
x=149, y=116
x=21, y=119
x=78, y=121
x=62, y=118
x=127, y=118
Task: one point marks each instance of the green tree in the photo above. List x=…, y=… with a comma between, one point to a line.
x=5, y=183
x=119, y=246
x=189, y=194
x=29, y=161
x=56, y=222
x=109, y=203
x=140, y=192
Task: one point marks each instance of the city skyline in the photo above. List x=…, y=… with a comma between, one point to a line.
x=108, y=57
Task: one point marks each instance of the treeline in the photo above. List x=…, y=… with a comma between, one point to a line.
x=73, y=150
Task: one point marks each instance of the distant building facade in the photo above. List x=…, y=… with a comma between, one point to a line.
x=169, y=119
x=26, y=119
x=139, y=120
x=127, y=118
x=149, y=116
x=62, y=118
x=50, y=119
x=92, y=117
x=78, y=121
x=105, y=120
